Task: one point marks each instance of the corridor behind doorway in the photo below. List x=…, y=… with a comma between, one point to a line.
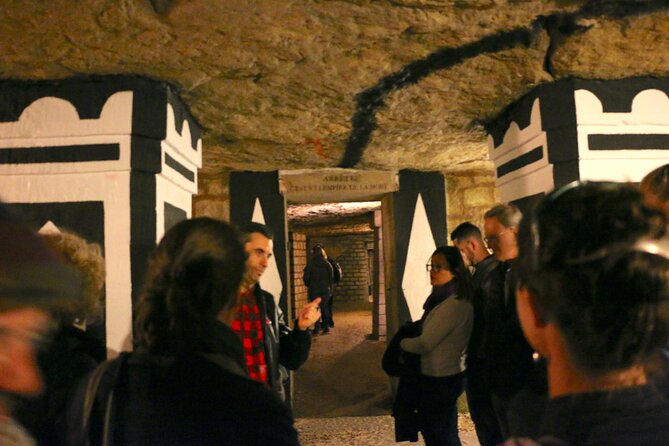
x=343, y=375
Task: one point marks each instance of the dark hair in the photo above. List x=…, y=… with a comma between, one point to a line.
x=461, y=275
x=194, y=274
x=246, y=230
x=586, y=254
x=465, y=231
x=317, y=251
x=657, y=182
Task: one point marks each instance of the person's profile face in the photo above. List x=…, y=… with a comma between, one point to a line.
x=500, y=239
x=22, y=330
x=259, y=249
x=440, y=273
x=467, y=250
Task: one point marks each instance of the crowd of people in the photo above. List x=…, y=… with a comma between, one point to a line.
x=565, y=321
x=555, y=324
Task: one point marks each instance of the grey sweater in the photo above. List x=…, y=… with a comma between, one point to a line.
x=444, y=338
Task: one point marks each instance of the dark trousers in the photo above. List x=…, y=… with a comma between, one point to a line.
x=331, y=310
x=438, y=410
x=326, y=315
x=479, y=400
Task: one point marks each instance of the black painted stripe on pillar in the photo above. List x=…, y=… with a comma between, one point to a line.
x=628, y=142
x=431, y=187
x=85, y=218
x=173, y=215
x=523, y=160
x=60, y=154
x=527, y=204
x=180, y=168
x=142, y=227
x=89, y=94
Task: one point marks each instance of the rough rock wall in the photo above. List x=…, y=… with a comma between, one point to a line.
x=213, y=197
x=468, y=196
x=275, y=84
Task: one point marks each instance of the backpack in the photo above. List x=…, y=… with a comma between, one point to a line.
x=336, y=268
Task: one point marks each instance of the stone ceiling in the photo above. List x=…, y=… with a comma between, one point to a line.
x=277, y=83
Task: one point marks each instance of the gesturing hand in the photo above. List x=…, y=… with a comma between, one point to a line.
x=309, y=315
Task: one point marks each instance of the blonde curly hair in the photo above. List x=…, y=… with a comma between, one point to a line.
x=87, y=259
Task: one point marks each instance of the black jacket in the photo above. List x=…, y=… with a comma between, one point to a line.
x=319, y=278
x=507, y=353
x=283, y=347
x=483, y=284
x=71, y=354
x=198, y=398
x=628, y=416
x=397, y=362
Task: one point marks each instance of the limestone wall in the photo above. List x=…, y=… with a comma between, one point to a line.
x=468, y=196
x=298, y=260
x=213, y=196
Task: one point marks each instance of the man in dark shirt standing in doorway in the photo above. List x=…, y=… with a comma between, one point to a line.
x=467, y=238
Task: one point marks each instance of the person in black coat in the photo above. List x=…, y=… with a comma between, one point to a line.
x=73, y=351
x=592, y=299
x=319, y=278
x=187, y=382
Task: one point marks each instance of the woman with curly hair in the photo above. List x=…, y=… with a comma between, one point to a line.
x=73, y=351
x=593, y=299
x=187, y=382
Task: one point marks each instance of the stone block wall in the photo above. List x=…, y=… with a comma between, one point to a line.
x=298, y=260
x=213, y=196
x=379, y=326
x=468, y=196
x=351, y=252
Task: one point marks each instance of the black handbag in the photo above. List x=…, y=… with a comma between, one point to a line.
x=397, y=362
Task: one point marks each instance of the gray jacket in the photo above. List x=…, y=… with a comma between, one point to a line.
x=444, y=337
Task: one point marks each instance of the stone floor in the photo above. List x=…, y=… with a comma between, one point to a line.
x=342, y=396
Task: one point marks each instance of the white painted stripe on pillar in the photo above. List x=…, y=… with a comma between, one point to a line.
x=270, y=281
x=416, y=282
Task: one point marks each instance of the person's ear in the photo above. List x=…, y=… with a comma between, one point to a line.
x=538, y=316
x=532, y=319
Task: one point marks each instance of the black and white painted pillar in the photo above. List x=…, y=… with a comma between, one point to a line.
x=419, y=213
x=112, y=158
x=577, y=129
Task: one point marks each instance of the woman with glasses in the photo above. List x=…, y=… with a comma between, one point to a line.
x=594, y=301
x=446, y=327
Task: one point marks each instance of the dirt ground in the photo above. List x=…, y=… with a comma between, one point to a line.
x=342, y=396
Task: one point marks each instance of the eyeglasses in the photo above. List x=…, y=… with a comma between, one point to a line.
x=494, y=238
x=435, y=267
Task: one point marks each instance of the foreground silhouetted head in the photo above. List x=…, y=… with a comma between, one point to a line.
x=594, y=258
x=194, y=276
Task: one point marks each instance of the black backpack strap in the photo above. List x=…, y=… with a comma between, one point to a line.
x=100, y=390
